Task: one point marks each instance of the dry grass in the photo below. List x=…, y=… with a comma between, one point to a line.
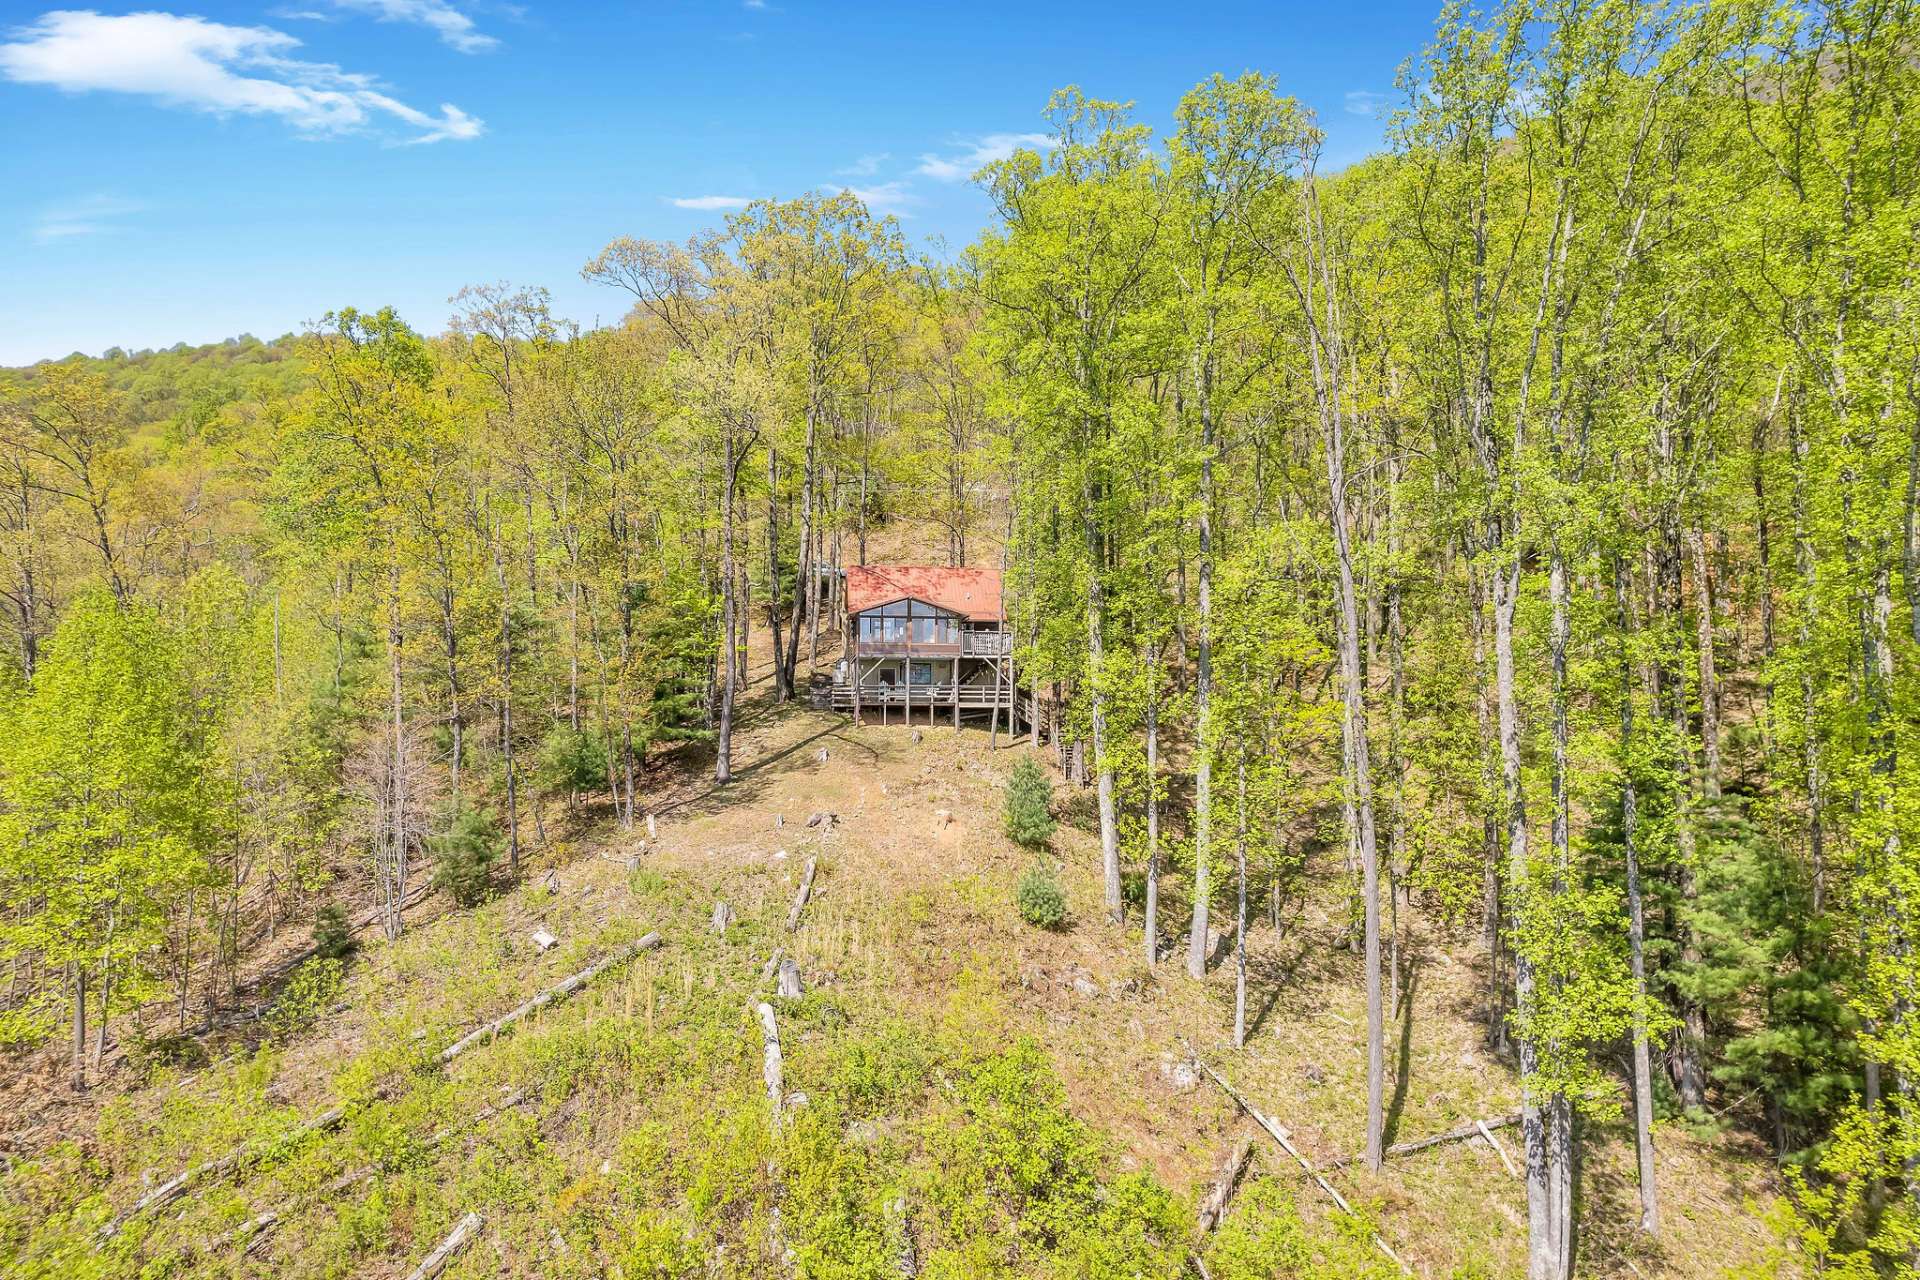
x=920, y=901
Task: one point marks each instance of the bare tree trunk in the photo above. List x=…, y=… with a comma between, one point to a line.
x=1489, y=781
x=1636, y=931
x=1689, y=1046
x=1152, y=923
x=456, y=714
x=1807, y=569
x=1398, y=874
x=723, y=737
x=1103, y=770
x=394, y=887
x=506, y=713
x=1554, y=1220
x=782, y=674
x=1322, y=309
x=800, y=586
x=1240, y=910
x=1202, y=712
x=186, y=967
x=1709, y=682
x=78, y=1076
x=106, y=1001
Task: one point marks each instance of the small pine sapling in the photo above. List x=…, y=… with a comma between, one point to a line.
x=1042, y=902
x=1029, y=805
x=463, y=857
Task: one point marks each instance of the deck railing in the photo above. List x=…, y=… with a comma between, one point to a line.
x=876, y=695
x=986, y=644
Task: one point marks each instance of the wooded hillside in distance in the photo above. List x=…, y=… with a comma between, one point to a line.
x=1519, y=530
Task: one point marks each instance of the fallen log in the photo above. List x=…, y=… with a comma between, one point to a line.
x=770, y=1067
x=1498, y=1150
x=1456, y=1134
x=772, y=966
x=1280, y=1136
x=255, y=1230
x=178, y=1185
x=800, y=897
x=560, y=991
x=1213, y=1206
x=457, y=1240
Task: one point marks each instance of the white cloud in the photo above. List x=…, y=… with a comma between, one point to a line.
x=865, y=166
x=193, y=63
x=87, y=216
x=761, y=5
x=454, y=28
x=979, y=153
x=710, y=203
x=1364, y=102
x=887, y=197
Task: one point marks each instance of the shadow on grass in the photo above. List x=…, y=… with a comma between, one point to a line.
x=1403, y=1063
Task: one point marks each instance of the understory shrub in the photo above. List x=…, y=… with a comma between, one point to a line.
x=572, y=760
x=464, y=855
x=1265, y=1236
x=1015, y=1167
x=1042, y=902
x=332, y=934
x=1029, y=805
x=306, y=996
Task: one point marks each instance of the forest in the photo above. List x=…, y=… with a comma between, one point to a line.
x=1516, y=531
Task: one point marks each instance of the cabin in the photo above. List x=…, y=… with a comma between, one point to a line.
x=927, y=638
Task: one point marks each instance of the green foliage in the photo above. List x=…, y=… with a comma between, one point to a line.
x=309, y=993
x=1265, y=1237
x=1844, y=1224
x=1041, y=900
x=1015, y=1168
x=105, y=818
x=1029, y=805
x=332, y=934
x=572, y=760
x=464, y=854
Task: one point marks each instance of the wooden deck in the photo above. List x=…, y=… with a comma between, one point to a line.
x=972, y=644
x=939, y=699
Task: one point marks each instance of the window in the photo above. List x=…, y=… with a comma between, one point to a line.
x=909, y=620
x=880, y=628
x=922, y=673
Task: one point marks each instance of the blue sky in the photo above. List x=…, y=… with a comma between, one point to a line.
x=186, y=172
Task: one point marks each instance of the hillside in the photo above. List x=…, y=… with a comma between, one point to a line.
x=980, y=1094
x=1469, y=591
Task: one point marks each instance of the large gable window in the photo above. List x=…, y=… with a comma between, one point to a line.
x=905, y=620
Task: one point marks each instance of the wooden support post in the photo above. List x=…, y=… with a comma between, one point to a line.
x=956, y=693
x=993, y=724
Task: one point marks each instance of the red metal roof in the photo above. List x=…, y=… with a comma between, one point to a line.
x=974, y=594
